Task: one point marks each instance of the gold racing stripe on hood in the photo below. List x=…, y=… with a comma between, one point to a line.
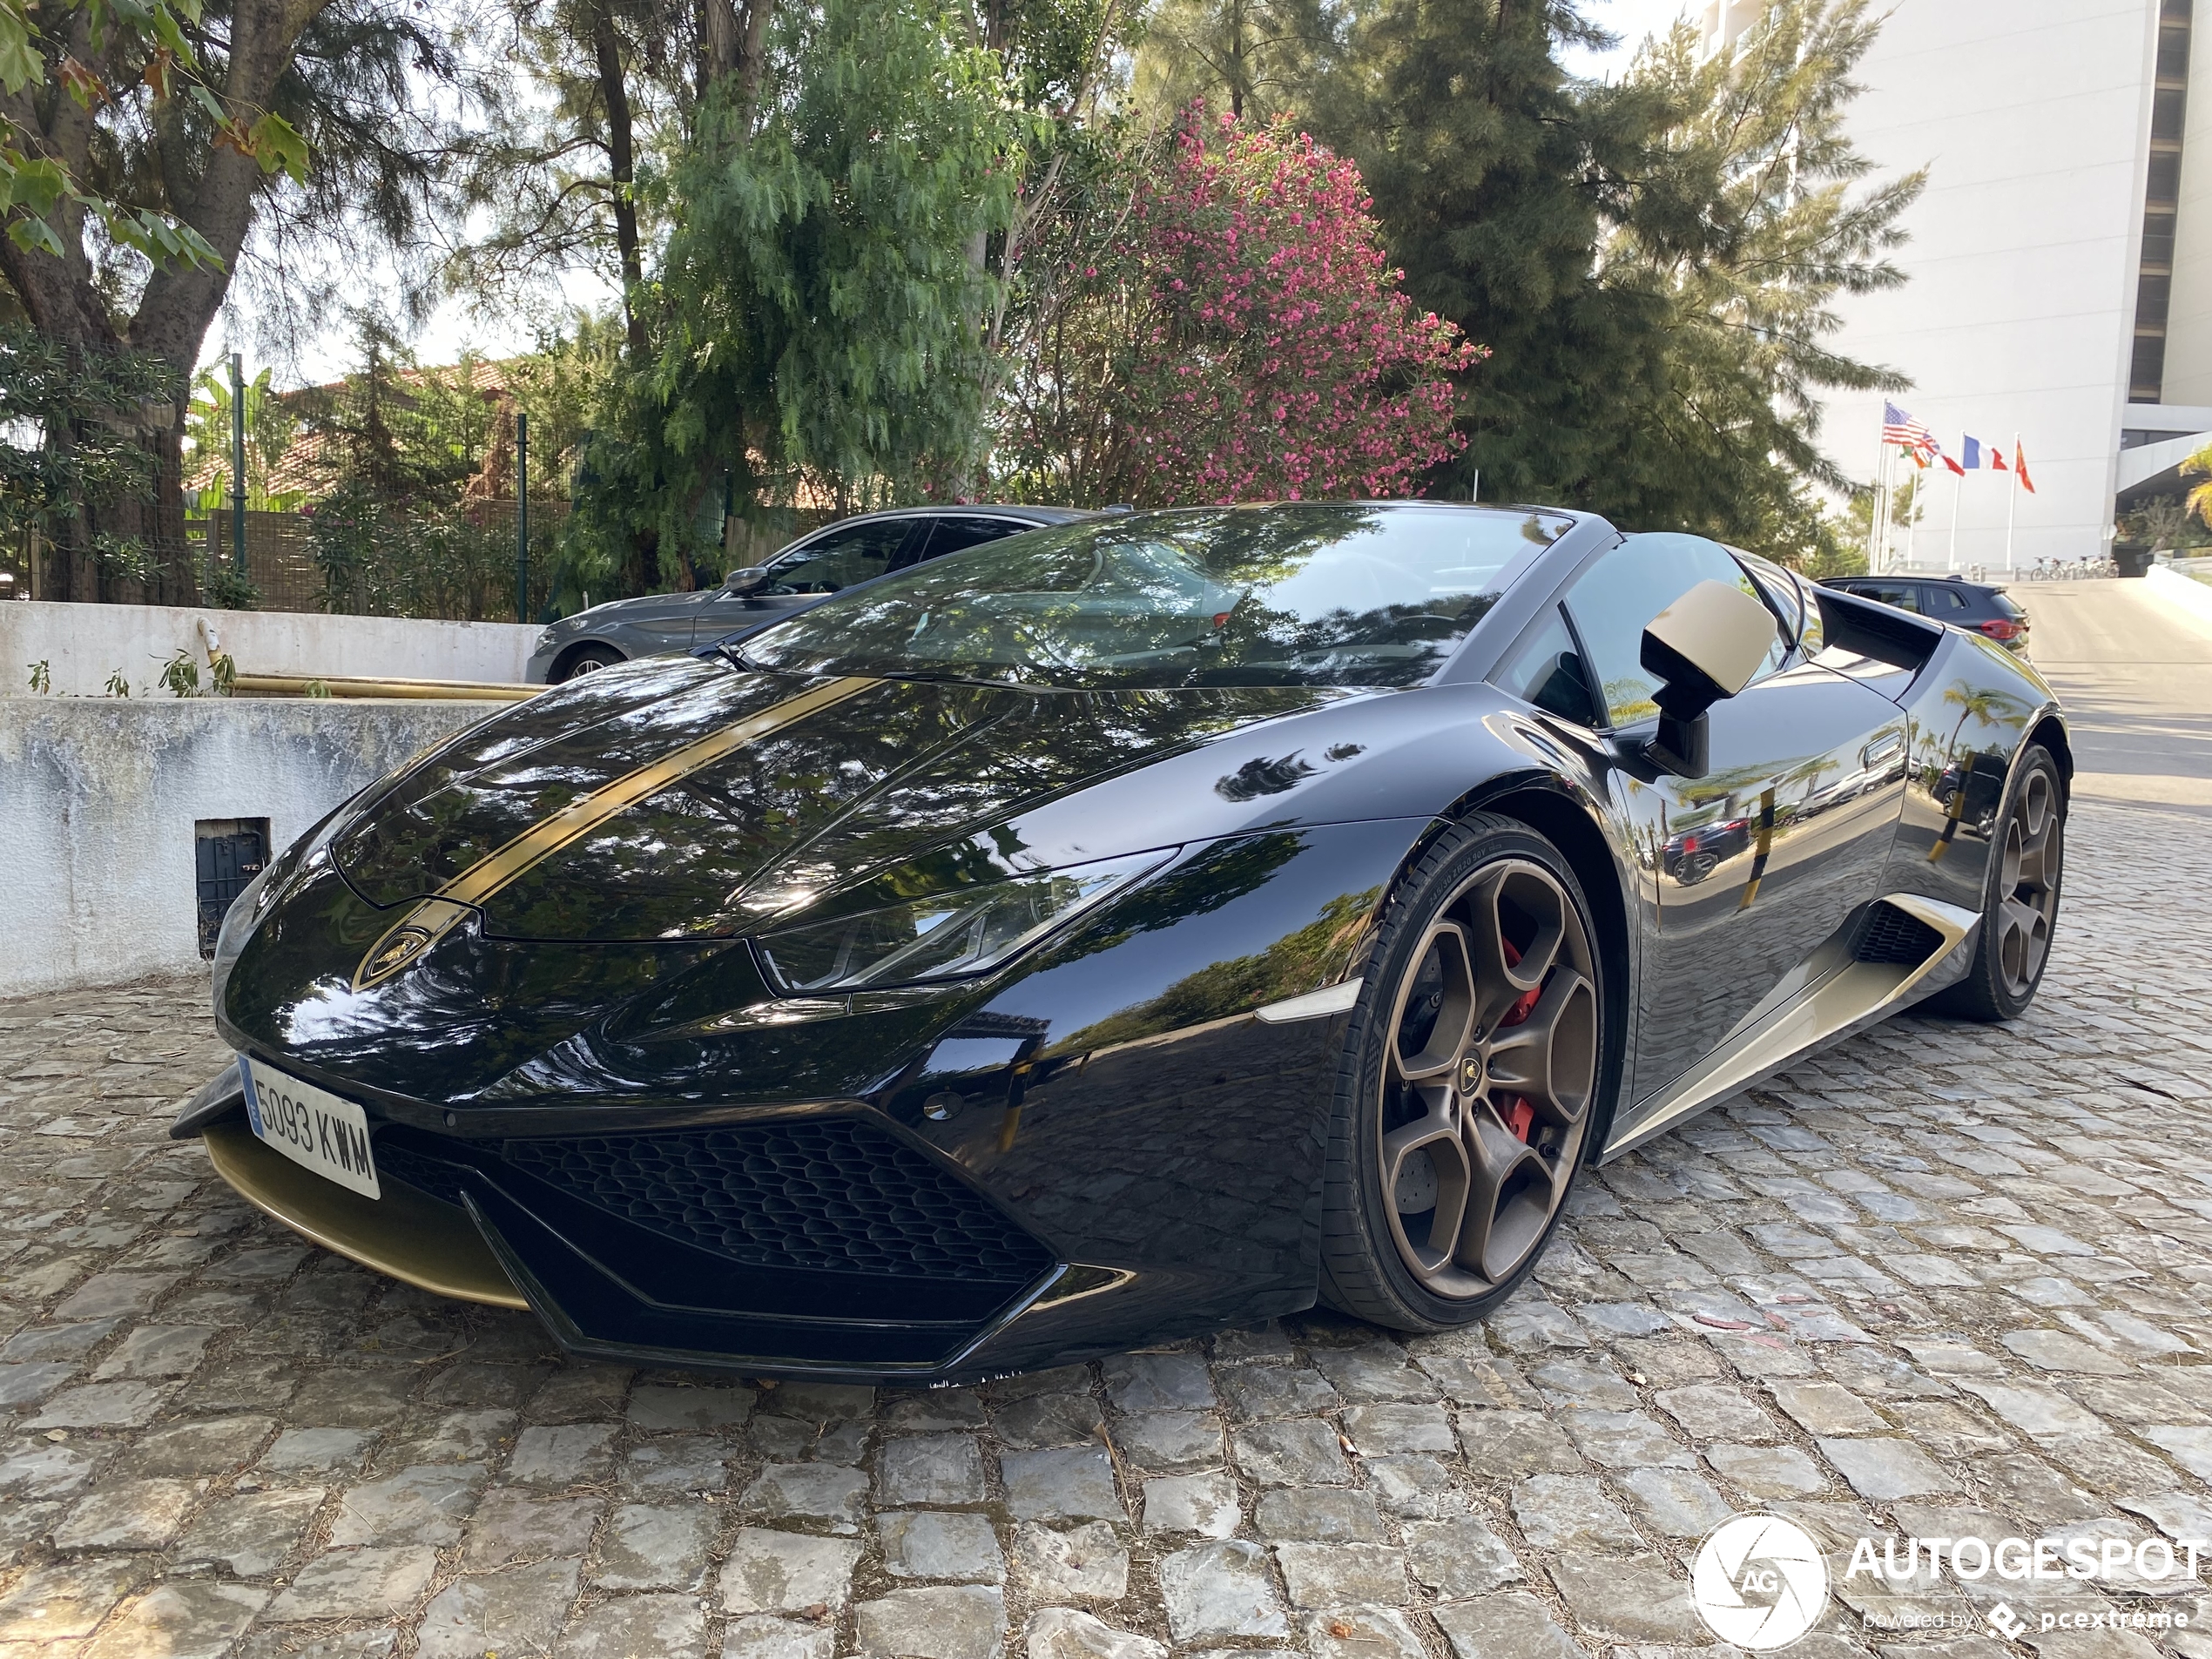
x=431, y=918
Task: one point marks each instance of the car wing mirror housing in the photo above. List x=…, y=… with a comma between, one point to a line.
x=1703, y=647
x=750, y=579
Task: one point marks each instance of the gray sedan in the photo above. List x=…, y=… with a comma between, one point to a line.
x=805, y=573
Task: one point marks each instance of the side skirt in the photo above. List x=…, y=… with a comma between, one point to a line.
x=1829, y=995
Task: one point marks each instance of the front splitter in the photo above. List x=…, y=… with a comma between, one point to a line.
x=416, y=1240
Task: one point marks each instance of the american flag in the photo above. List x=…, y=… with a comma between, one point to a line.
x=1899, y=428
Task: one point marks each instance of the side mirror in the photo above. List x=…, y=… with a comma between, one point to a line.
x=1703, y=647
x=750, y=579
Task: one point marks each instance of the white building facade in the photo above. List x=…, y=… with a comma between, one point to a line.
x=2060, y=257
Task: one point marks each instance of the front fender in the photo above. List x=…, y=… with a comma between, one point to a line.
x=1139, y=1101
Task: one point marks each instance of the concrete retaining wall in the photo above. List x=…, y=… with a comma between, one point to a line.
x=98, y=801
x=2184, y=593
x=82, y=644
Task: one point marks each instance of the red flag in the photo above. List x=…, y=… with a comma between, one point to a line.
x=2019, y=466
x=1954, y=466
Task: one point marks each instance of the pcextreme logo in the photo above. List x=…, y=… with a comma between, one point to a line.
x=1759, y=1582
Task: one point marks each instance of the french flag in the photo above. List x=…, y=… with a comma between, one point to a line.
x=1974, y=456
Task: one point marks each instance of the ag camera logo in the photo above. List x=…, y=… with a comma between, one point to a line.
x=1759, y=1582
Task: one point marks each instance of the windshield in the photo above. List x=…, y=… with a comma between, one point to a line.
x=1298, y=595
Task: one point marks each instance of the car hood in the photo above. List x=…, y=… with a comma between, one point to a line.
x=641, y=609
x=676, y=799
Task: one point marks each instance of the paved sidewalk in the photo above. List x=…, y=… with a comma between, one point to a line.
x=1944, y=1279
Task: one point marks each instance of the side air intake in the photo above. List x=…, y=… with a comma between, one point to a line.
x=1887, y=934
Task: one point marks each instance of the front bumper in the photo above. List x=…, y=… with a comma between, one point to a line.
x=824, y=1245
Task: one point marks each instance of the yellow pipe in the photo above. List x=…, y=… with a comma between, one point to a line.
x=447, y=691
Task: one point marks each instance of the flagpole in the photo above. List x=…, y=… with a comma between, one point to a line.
x=1912, y=522
x=1889, y=497
x=1957, y=482
x=1878, y=521
x=2011, y=503
x=1877, y=526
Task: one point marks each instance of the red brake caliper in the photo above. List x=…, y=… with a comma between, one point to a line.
x=1515, y=1111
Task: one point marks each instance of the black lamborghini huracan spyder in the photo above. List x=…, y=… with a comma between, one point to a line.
x=1126, y=928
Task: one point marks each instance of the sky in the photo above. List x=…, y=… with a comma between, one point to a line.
x=327, y=356
x=1630, y=19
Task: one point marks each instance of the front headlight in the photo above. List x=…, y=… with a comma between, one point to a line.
x=950, y=935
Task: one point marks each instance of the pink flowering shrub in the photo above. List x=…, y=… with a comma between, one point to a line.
x=1229, y=330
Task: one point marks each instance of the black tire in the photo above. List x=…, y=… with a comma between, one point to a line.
x=1410, y=1269
x=588, y=660
x=2010, y=952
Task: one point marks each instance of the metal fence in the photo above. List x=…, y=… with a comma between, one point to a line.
x=391, y=493
x=455, y=564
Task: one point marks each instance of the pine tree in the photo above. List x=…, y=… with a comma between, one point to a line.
x=1651, y=267
x=1494, y=174
x=1751, y=220
x=1257, y=59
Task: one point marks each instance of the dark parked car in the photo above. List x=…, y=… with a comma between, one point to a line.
x=1133, y=928
x=1978, y=605
x=805, y=573
x=1691, y=855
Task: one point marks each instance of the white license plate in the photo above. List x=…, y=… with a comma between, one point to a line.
x=311, y=1126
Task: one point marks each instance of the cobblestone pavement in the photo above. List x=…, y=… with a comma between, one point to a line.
x=1945, y=1280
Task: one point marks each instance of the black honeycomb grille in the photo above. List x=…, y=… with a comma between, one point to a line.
x=829, y=1194
x=398, y=1161
x=1889, y=936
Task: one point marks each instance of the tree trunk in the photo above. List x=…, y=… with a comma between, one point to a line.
x=733, y=43
x=614, y=91
x=757, y=16
x=213, y=190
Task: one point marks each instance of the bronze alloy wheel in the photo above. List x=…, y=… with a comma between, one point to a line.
x=2027, y=883
x=1478, y=1066
x=2020, y=898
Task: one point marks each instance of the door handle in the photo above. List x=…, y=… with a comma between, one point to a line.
x=1885, y=748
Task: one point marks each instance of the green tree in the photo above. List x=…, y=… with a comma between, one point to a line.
x=42, y=183
x=72, y=429
x=1753, y=217
x=271, y=425
x=164, y=114
x=1494, y=175
x=560, y=182
x=2165, y=522
x=1258, y=59
x=818, y=309
x=1652, y=266
x=2199, y=500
